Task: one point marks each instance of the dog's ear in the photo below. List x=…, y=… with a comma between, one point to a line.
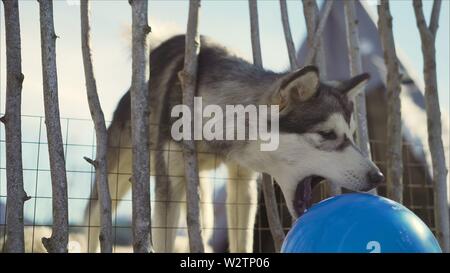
x=299, y=85
x=353, y=86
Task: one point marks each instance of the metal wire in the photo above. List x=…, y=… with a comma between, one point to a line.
x=417, y=190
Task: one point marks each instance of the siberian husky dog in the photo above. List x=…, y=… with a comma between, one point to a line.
x=315, y=140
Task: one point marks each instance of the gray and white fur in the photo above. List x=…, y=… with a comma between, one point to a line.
x=315, y=141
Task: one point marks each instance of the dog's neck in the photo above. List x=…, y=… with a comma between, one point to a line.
x=252, y=85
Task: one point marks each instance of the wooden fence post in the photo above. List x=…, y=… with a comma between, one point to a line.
x=351, y=23
x=316, y=53
x=288, y=35
x=16, y=195
x=188, y=79
x=254, y=32
x=394, y=177
x=311, y=13
x=315, y=38
x=101, y=135
x=270, y=199
x=60, y=231
x=140, y=130
x=434, y=126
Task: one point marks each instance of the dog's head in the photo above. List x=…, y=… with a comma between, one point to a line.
x=316, y=135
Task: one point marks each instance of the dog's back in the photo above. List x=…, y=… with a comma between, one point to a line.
x=221, y=76
x=315, y=131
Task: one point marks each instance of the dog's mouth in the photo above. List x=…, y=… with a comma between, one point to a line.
x=303, y=193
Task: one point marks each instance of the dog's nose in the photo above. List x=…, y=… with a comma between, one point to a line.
x=375, y=178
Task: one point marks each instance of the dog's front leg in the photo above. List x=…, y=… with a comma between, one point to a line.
x=242, y=197
x=170, y=196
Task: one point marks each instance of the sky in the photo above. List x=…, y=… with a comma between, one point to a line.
x=225, y=21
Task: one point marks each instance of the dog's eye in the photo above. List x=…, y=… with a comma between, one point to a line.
x=328, y=135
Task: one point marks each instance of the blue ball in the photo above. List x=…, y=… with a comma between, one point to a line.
x=359, y=223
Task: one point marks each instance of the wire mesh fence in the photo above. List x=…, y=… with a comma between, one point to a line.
x=79, y=141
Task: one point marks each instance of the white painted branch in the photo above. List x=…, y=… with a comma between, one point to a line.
x=140, y=130
x=59, y=239
x=273, y=218
x=394, y=177
x=100, y=163
x=287, y=35
x=188, y=79
x=351, y=23
x=15, y=195
x=434, y=126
